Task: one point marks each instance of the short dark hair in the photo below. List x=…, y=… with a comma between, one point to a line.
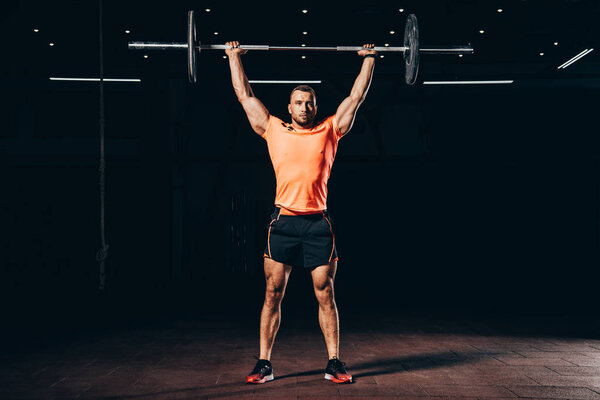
x=304, y=88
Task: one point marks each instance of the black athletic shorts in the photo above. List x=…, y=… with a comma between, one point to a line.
x=301, y=240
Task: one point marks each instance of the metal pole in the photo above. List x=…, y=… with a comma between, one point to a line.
x=102, y=253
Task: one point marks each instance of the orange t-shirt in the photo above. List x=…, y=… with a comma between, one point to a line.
x=302, y=160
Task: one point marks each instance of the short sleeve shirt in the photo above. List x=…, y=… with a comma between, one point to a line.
x=302, y=160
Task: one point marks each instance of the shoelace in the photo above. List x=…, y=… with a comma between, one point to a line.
x=337, y=364
x=260, y=367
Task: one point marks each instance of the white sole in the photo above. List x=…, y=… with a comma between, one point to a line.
x=328, y=377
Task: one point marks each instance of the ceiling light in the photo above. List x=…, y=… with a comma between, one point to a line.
x=464, y=82
x=216, y=33
x=392, y=32
x=387, y=45
x=481, y=31
x=305, y=33
x=577, y=57
x=556, y=43
x=276, y=81
x=127, y=31
x=303, y=56
x=401, y=9
x=381, y=56
x=207, y=10
x=51, y=44
x=303, y=45
x=145, y=55
x=499, y=10
x=460, y=55
x=96, y=79
x=304, y=11
x=541, y=54
x=224, y=56
x=36, y=30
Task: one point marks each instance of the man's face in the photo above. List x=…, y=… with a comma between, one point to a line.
x=302, y=107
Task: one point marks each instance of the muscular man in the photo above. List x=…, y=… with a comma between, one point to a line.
x=301, y=233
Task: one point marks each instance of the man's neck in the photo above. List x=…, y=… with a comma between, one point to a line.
x=296, y=125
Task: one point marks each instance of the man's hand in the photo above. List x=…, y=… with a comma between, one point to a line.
x=234, y=49
x=366, y=50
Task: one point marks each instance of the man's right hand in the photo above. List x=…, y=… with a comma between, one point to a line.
x=234, y=49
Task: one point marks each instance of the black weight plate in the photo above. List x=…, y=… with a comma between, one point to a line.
x=191, y=50
x=411, y=55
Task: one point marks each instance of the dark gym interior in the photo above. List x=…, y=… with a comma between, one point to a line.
x=467, y=216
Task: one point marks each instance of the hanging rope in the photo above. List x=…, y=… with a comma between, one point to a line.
x=102, y=254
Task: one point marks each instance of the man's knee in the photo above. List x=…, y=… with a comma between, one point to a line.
x=324, y=295
x=273, y=296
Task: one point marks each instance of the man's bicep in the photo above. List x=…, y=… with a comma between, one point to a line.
x=257, y=114
x=345, y=114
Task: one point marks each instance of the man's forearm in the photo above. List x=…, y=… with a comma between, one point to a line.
x=239, y=79
x=363, y=81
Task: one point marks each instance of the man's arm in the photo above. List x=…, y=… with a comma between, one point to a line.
x=257, y=113
x=346, y=112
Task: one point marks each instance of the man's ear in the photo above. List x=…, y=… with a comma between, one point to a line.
x=290, y=109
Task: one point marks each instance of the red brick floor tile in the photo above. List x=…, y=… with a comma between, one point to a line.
x=467, y=391
x=552, y=392
x=580, y=371
x=560, y=380
x=382, y=390
x=519, y=360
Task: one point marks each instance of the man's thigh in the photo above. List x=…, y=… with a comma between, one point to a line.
x=324, y=275
x=276, y=274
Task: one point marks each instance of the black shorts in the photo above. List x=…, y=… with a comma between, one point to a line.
x=301, y=240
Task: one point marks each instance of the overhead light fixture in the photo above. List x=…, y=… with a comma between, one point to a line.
x=576, y=58
x=278, y=81
x=303, y=45
x=304, y=11
x=481, y=31
x=224, y=56
x=51, y=44
x=387, y=45
x=401, y=9
x=392, y=32
x=145, y=55
x=556, y=43
x=460, y=55
x=303, y=57
x=96, y=79
x=127, y=31
x=305, y=33
x=216, y=33
x=207, y=10
x=500, y=10
x=541, y=53
x=381, y=56
x=466, y=82
x=36, y=30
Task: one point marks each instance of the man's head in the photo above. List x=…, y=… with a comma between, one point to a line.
x=303, y=105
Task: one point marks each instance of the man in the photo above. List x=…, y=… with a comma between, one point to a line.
x=301, y=233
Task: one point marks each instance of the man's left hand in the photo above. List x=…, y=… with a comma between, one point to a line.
x=367, y=50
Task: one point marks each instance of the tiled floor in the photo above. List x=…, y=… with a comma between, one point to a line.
x=390, y=356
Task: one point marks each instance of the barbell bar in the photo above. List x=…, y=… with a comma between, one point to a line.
x=411, y=49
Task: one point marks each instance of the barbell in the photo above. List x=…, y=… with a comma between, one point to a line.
x=411, y=49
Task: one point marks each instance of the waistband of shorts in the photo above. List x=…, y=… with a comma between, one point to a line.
x=285, y=211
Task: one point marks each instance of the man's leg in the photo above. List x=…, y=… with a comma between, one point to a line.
x=323, y=277
x=276, y=275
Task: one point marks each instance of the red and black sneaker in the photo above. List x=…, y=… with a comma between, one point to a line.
x=336, y=372
x=262, y=372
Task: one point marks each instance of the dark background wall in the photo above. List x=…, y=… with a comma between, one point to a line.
x=481, y=197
